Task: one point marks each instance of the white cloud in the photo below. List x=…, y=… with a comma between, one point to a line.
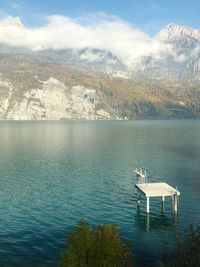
x=95, y=31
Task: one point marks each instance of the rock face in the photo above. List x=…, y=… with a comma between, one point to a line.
x=181, y=64
x=185, y=65
x=186, y=42
x=174, y=31
x=52, y=101
x=94, y=84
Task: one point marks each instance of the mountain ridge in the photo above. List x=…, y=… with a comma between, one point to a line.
x=173, y=30
x=93, y=83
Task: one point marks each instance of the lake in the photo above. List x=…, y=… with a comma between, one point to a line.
x=54, y=173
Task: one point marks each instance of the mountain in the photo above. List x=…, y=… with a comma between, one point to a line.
x=180, y=63
x=93, y=83
x=174, y=31
x=186, y=43
x=183, y=64
x=32, y=87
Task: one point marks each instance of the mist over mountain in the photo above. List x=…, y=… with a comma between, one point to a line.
x=100, y=70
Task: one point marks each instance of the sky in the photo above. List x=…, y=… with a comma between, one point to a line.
x=126, y=28
x=148, y=15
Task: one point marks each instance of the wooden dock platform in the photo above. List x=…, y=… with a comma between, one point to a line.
x=157, y=190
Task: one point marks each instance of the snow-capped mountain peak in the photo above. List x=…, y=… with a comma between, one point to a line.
x=175, y=31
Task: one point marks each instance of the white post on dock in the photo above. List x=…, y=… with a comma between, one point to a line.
x=138, y=197
x=147, y=205
x=175, y=203
x=163, y=203
x=148, y=222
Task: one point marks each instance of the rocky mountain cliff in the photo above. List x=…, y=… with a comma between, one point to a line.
x=174, y=31
x=52, y=100
x=94, y=84
x=23, y=96
x=182, y=64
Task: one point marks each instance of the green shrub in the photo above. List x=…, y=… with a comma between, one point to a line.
x=98, y=247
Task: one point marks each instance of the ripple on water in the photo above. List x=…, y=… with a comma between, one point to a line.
x=53, y=174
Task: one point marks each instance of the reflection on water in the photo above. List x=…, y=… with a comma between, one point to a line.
x=54, y=173
x=156, y=235
x=148, y=222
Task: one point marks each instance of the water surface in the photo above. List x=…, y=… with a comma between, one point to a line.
x=54, y=173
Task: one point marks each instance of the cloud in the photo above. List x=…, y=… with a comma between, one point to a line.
x=95, y=31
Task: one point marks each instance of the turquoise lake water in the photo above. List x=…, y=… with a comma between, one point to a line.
x=54, y=173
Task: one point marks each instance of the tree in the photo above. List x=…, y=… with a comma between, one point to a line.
x=187, y=252
x=98, y=247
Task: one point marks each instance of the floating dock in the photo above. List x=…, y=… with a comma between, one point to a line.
x=157, y=190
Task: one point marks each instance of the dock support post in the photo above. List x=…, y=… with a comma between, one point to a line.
x=147, y=205
x=148, y=222
x=163, y=202
x=175, y=203
x=138, y=197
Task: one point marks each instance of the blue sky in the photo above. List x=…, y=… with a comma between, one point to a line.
x=149, y=16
